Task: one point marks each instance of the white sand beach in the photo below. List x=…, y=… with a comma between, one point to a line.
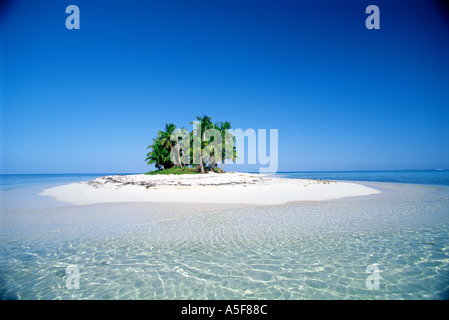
x=229, y=188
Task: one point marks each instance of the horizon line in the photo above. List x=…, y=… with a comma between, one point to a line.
x=293, y=171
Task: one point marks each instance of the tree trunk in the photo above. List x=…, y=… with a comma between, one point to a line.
x=201, y=155
x=179, y=157
x=201, y=161
x=211, y=161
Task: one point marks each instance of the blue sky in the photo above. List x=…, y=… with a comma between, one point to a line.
x=342, y=97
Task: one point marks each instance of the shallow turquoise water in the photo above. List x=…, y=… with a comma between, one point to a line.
x=310, y=250
x=14, y=181
x=432, y=177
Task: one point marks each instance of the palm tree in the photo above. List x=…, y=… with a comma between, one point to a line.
x=205, y=123
x=228, y=140
x=182, y=139
x=160, y=149
x=158, y=155
x=209, y=146
x=164, y=136
x=165, y=139
x=195, y=147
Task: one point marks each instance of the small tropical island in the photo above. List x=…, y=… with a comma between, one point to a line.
x=188, y=171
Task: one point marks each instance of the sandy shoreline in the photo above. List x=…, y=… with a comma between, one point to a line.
x=231, y=188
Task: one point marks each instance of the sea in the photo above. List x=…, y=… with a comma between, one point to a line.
x=393, y=245
x=433, y=177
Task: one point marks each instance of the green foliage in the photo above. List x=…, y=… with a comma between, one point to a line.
x=173, y=148
x=174, y=170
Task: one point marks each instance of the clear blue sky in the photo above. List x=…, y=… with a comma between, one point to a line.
x=342, y=97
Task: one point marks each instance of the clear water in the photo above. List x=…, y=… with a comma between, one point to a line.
x=13, y=181
x=21, y=191
x=309, y=250
x=433, y=177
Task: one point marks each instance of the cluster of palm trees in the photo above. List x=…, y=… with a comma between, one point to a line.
x=203, y=148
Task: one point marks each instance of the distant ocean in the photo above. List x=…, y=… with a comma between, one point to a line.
x=14, y=181
x=432, y=177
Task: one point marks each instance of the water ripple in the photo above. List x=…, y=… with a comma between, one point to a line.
x=298, y=251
